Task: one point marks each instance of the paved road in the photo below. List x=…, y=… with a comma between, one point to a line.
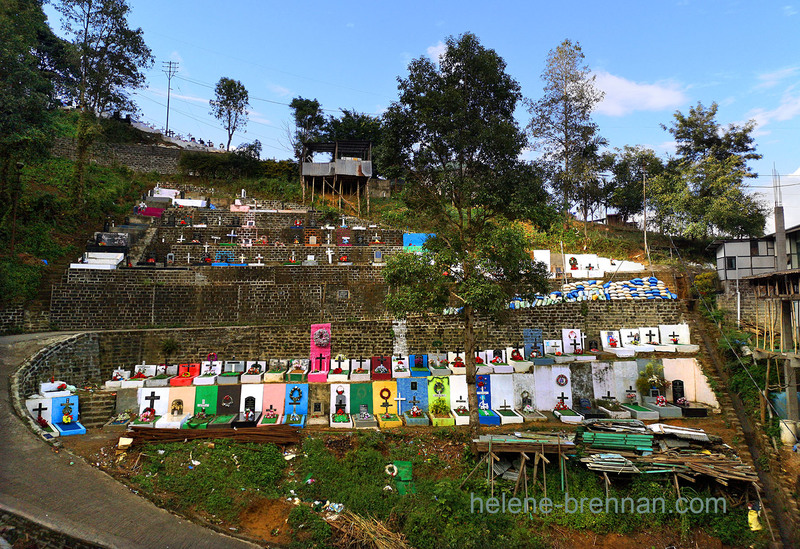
x=79, y=500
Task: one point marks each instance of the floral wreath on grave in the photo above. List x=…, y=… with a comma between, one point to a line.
x=227, y=400
x=210, y=355
x=682, y=401
x=322, y=338
x=458, y=362
x=187, y=373
x=497, y=360
x=438, y=388
x=572, y=335
x=381, y=369
x=385, y=393
x=561, y=380
x=478, y=360
x=253, y=370
x=270, y=414
x=515, y=355
x=534, y=353
x=299, y=394
x=578, y=351
x=391, y=470
x=139, y=375
x=147, y=414
x=631, y=396
x=661, y=400
x=573, y=263
x=560, y=405
x=462, y=410
x=558, y=353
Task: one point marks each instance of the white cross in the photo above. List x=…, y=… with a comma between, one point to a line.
x=232, y=234
x=343, y=222
x=328, y=238
x=259, y=258
x=377, y=237
x=180, y=239
x=329, y=253
x=399, y=399
x=242, y=257
x=188, y=258
x=293, y=257
x=205, y=247
x=203, y=405
x=216, y=238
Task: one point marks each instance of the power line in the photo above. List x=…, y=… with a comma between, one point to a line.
x=169, y=68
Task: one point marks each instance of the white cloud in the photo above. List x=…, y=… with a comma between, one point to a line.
x=788, y=109
x=625, y=96
x=437, y=51
x=772, y=79
x=789, y=10
x=278, y=90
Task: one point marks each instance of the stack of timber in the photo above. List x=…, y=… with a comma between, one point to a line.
x=618, y=441
x=610, y=463
x=616, y=425
x=719, y=467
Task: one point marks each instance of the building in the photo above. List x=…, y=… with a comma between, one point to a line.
x=739, y=258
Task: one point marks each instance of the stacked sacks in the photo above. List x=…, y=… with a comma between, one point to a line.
x=593, y=290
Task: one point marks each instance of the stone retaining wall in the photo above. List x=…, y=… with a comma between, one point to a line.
x=139, y=158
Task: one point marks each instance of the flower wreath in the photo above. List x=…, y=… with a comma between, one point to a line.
x=210, y=355
x=515, y=355
x=438, y=388
x=299, y=394
x=561, y=380
x=322, y=338
x=227, y=400
x=560, y=405
x=478, y=360
x=391, y=470
x=385, y=393
x=661, y=400
x=187, y=373
x=682, y=401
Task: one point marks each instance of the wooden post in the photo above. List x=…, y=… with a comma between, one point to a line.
x=765, y=393
x=313, y=186
x=358, y=196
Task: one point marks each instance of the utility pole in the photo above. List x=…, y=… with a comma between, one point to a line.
x=169, y=68
x=644, y=211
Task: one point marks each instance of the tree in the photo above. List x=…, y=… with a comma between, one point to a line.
x=562, y=117
x=230, y=106
x=702, y=192
x=309, y=123
x=629, y=167
x=355, y=125
x=112, y=55
x=453, y=136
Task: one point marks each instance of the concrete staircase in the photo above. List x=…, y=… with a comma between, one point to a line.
x=96, y=408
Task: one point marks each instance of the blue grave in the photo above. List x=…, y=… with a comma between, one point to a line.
x=532, y=339
x=65, y=413
x=419, y=369
x=486, y=415
x=414, y=392
x=296, y=404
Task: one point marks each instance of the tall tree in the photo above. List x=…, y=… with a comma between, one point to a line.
x=112, y=55
x=229, y=106
x=453, y=136
x=355, y=125
x=703, y=191
x=309, y=123
x=629, y=167
x=562, y=117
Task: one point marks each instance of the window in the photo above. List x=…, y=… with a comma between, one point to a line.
x=754, y=247
x=730, y=263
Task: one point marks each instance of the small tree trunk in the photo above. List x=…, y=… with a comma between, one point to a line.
x=469, y=351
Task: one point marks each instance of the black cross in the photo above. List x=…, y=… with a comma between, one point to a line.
x=414, y=401
x=382, y=360
x=339, y=362
x=505, y=405
x=386, y=405
x=271, y=409
x=458, y=351
x=360, y=361
x=562, y=398
x=152, y=398
x=673, y=335
x=321, y=360
x=650, y=335
x=575, y=345
x=609, y=396
x=39, y=409
x=400, y=356
x=631, y=389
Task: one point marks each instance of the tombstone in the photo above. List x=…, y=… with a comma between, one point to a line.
x=384, y=402
x=459, y=400
x=581, y=381
x=632, y=338
x=40, y=410
x=344, y=236
x=319, y=404
x=65, y=414
x=676, y=338
x=361, y=401
x=359, y=236
x=419, y=365
x=340, y=369
x=533, y=343
x=414, y=403
x=153, y=404
x=254, y=370
x=181, y=407
x=250, y=407
x=400, y=367
x=228, y=405
x=377, y=257
x=209, y=370
x=186, y=375
x=380, y=367
x=612, y=344
x=439, y=401
x=298, y=370
x=272, y=404
x=502, y=398
x=572, y=341
x=276, y=370
x=360, y=370
x=232, y=371
x=485, y=414
x=650, y=336
x=296, y=404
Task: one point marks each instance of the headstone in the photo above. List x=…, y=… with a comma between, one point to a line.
x=340, y=406
x=65, y=415
x=296, y=404
x=319, y=404
x=459, y=400
x=272, y=404
x=361, y=400
x=502, y=397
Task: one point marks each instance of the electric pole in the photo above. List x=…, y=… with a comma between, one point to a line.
x=169, y=68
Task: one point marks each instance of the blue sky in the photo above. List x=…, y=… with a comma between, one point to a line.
x=650, y=59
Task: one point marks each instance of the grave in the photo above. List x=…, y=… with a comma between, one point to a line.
x=205, y=407
x=502, y=398
x=277, y=370
x=607, y=398
x=689, y=409
x=231, y=372
x=611, y=344
x=413, y=400
x=321, y=337
x=695, y=387
x=40, y=410
x=250, y=404
x=499, y=361
x=344, y=236
x=517, y=359
x=626, y=372
x=153, y=404
x=186, y=375
x=228, y=401
x=459, y=400
x=359, y=236
x=482, y=366
x=659, y=404
x=340, y=406
x=319, y=401
x=254, y=371
x=439, y=366
x=400, y=367
x=384, y=402
x=380, y=367
x=296, y=404
x=524, y=387
x=484, y=390
x=651, y=336
x=164, y=373
x=117, y=377
x=636, y=410
x=298, y=370
x=181, y=407
x=631, y=338
x=581, y=382
x=340, y=369
x=360, y=370
x=272, y=404
x=209, y=370
x=439, y=401
x=533, y=343
x=676, y=337
x=419, y=365
x=65, y=414
x=140, y=373
x=361, y=409
x=585, y=408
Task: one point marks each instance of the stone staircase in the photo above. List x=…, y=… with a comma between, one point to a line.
x=96, y=408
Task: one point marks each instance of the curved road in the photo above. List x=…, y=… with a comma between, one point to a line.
x=78, y=500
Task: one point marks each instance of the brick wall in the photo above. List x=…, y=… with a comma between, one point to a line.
x=139, y=158
x=73, y=360
x=16, y=318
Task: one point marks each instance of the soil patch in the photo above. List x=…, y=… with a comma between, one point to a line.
x=267, y=521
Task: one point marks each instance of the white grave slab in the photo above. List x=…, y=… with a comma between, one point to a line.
x=252, y=390
x=695, y=384
x=50, y=389
x=604, y=381
x=155, y=397
x=677, y=337
x=611, y=344
x=631, y=338
x=344, y=388
x=652, y=336
x=571, y=340
x=502, y=394
x=120, y=375
x=547, y=389
x=38, y=405
x=626, y=372
x=459, y=397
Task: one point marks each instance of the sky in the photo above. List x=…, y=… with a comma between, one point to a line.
x=650, y=58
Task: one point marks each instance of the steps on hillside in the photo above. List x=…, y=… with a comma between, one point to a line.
x=96, y=408
x=136, y=252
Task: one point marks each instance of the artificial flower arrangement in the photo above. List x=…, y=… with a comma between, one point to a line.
x=561, y=406
x=683, y=401
x=516, y=356
x=661, y=400
x=497, y=360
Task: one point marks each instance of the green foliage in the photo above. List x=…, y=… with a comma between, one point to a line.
x=169, y=347
x=18, y=281
x=233, y=166
x=301, y=520
x=228, y=477
x=229, y=106
x=651, y=376
x=309, y=123
x=630, y=166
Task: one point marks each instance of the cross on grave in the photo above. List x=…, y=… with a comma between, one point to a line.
x=458, y=351
x=414, y=401
x=575, y=345
x=242, y=257
x=329, y=253
x=203, y=405
x=232, y=234
x=180, y=239
x=271, y=409
x=461, y=401
x=386, y=404
x=609, y=396
x=39, y=409
x=295, y=401
x=206, y=247
x=398, y=399
x=338, y=362
x=188, y=258
x=215, y=239
x=343, y=222
x=562, y=398
x=259, y=257
x=361, y=362
x=152, y=398
x=505, y=405
x=674, y=337
x=321, y=360
x=328, y=239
